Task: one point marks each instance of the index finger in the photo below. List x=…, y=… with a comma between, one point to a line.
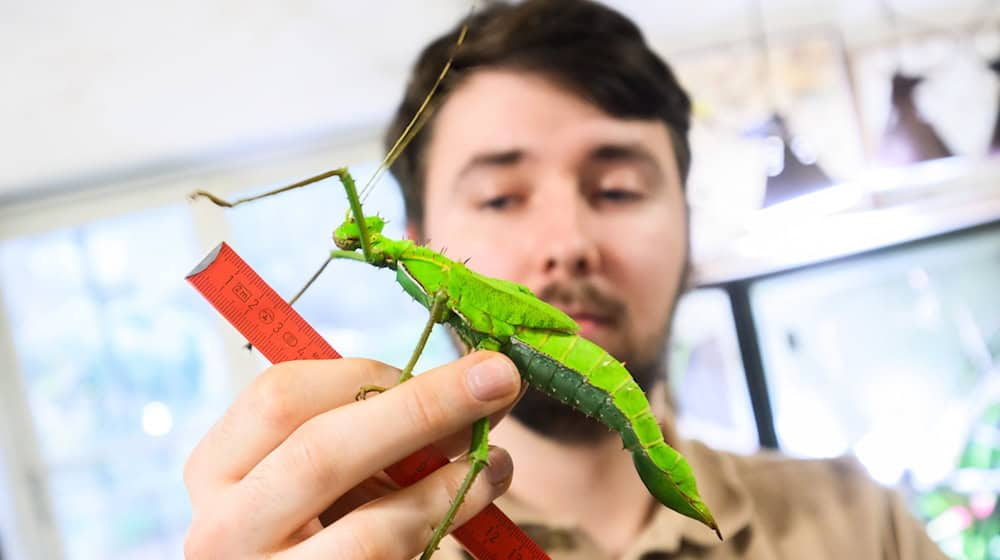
x=279, y=400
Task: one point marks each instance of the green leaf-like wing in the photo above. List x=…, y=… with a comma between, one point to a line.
x=506, y=301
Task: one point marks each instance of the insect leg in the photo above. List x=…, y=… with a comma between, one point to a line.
x=479, y=451
x=362, y=393
x=309, y=282
x=438, y=312
x=339, y=172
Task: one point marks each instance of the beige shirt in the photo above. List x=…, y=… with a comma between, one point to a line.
x=767, y=506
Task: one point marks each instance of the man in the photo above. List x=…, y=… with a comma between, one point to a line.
x=555, y=157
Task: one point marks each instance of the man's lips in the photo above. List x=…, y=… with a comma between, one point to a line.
x=584, y=303
x=590, y=322
x=591, y=317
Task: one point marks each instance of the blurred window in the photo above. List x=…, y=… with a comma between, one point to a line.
x=123, y=370
x=706, y=373
x=895, y=358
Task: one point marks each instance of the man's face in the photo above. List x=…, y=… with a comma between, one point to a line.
x=535, y=185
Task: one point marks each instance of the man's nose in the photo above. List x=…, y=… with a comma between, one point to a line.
x=570, y=246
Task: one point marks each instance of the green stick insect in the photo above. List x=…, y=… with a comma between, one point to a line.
x=503, y=316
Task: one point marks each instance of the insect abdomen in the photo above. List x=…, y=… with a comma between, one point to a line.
x=584, y=376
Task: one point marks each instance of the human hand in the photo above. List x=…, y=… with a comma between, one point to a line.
x=293, y=469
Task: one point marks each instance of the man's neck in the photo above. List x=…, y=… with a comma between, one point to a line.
x=591, y=486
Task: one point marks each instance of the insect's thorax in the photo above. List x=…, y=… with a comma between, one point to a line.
x=420, y=271
x=423, y=272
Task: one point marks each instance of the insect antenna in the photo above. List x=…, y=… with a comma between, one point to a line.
x=419, y=119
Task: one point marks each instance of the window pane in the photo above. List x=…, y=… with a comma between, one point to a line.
x=895, y=358
x=124, y=373
x=706, y=373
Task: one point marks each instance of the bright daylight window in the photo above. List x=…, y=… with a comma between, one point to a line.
x=123, y=371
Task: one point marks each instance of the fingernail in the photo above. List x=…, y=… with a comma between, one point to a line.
x=501, y=468
x=492, y=379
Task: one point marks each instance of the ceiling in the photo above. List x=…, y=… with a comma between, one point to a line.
x=95, y=89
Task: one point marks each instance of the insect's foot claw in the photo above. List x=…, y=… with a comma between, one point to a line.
x=362, y=393
x=214, y=199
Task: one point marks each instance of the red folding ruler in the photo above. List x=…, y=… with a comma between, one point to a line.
x=271, y=325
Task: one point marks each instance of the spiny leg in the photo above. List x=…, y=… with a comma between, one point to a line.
x=346, y=179
x=479, y=452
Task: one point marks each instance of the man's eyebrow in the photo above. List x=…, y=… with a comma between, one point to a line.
x=504, y=158
x=624, y=152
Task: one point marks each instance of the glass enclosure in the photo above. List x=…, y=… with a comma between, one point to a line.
x=895, y=357
x=706, y=373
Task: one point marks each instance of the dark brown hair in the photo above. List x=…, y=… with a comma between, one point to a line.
x=592, y=50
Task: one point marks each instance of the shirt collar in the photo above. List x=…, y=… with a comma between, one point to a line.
x=719, y=485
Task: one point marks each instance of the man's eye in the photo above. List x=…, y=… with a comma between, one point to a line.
x=618, y=195
x=504, y=202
